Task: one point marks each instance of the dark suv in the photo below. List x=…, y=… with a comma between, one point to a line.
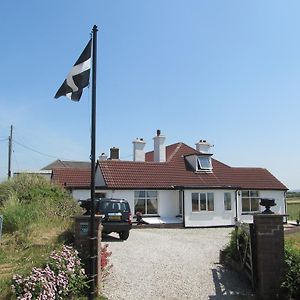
x=116, y=215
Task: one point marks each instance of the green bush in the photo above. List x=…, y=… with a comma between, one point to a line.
x=17, y=216
x=291, y=281
x=230, y=252
x=37, y=220
x=290, y=287
x=29, y=199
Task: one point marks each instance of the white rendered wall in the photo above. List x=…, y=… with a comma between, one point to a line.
x=99, y=180
x=159, y=148
x=218, y=217
x=81, y=194
x=279, y=208
x=168, y=203
x=128, y=195
x=138, y=150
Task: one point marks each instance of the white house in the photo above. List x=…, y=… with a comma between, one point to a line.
x=177, y=183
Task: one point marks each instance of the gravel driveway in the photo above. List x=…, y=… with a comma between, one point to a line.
x=157, y=263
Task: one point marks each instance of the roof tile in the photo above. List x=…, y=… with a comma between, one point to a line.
x=175, y=171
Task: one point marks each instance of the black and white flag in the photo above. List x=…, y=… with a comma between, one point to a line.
x=79, y=76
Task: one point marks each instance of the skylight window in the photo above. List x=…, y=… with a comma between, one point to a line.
x=204, y=163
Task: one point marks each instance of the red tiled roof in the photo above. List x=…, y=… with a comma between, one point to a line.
x=72, y=177
x=175, y=171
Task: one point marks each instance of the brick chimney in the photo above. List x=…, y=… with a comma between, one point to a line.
x=138, y=149
x=159, y=147
x=114, y=153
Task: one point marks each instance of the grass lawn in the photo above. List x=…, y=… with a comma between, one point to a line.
x=293, y=208
x=294, y=237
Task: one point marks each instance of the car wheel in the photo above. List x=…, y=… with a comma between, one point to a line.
x=124, y=235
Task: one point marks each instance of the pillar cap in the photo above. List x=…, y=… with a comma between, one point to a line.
x=270, y=215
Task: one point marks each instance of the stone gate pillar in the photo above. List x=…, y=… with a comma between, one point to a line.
x=269, y=250
x=81, y=244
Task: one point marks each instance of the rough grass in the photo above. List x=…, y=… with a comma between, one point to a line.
x=294, y=238
x=293, y=208
x=37, y=220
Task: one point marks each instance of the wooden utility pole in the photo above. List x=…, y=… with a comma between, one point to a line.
x=9, y=151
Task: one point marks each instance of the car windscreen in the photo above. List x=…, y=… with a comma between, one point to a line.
x=110, y=206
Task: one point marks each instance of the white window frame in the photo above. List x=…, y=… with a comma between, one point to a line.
x=250, y=198
x=206, y=201
x=227, y=193
x=200, y=166
x=146, y=199
x=180, y=205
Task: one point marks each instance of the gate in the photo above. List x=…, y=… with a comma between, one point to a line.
x=245, y=242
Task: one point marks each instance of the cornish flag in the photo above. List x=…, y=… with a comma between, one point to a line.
x=78, y=78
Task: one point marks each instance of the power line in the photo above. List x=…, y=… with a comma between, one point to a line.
x=33, y=150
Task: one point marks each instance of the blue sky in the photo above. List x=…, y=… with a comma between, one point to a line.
x=224, y=71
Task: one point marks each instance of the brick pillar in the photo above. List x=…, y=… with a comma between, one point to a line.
x=269, y=254
x=81, y=243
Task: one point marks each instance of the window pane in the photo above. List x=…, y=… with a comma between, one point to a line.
x=139, y=206
x=245, y=193
x=254, y=193
x=204, y=162
x=202, y=204
x=254, y=204
x=139, y=194
x=124, y=207
x=202, y=201
x=152, y=206
x=103, y=205
x=227, y=201
x=245, y=204
x=195, y=205
x=195, y=196
x=203, y=196
x=116, y=207
x=210, y=201
x=151, y=194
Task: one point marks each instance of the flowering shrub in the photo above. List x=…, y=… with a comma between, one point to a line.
x=62, y=278
x=105, y=254
x=291, y=281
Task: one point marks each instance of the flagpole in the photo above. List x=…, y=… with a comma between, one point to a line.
x=92, y=245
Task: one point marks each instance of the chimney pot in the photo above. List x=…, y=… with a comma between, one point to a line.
x=102, y=156
x=158, y=132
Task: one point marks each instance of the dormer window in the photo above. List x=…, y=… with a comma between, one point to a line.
x=200, y=162
x=204, y=163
